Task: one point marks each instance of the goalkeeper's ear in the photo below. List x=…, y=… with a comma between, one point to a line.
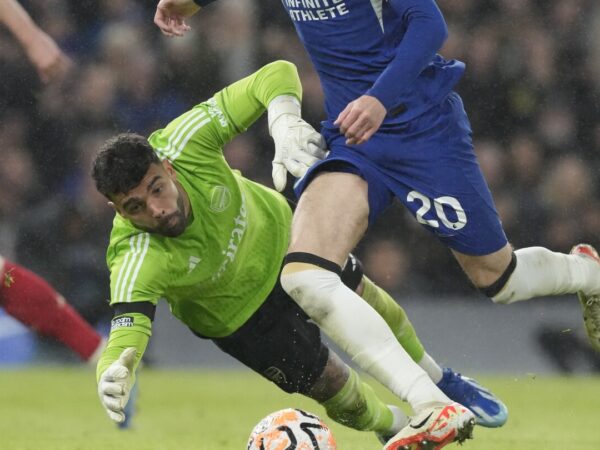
x=114, y=207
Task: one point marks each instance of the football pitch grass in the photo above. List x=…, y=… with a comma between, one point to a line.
x=57, y=409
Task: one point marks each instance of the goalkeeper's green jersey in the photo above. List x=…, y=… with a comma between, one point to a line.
x=218, y=272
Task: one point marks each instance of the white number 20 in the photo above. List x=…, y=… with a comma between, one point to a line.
x=438, y=203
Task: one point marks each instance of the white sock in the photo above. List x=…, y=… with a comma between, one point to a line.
x=362, y=333
x=432, y=368
x=400, y=419
x=540, y=272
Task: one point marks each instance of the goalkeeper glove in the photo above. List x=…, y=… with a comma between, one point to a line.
x=297, y=145
x=115, y=385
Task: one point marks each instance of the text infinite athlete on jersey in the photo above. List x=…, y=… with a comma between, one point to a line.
x=309, y=10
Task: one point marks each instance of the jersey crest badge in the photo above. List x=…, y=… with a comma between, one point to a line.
x=220, y=199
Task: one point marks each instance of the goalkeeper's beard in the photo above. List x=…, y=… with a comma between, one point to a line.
x=172, y=225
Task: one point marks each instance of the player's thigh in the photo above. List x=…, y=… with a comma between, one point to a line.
x=466, y=221
x=431, y=167
x=453, y=202
x=485, y=270
x=331, y=217
x=281, y=344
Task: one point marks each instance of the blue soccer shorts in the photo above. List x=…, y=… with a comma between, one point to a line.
x=429, y=164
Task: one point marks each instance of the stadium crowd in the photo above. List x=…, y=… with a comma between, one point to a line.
x=531, y=90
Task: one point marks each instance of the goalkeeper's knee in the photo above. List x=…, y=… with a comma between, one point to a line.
x=308, y=278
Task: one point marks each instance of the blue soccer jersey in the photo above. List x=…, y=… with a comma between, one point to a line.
x=423, y=152
x=382, y=48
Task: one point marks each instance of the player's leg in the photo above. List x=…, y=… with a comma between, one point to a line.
x=468, y=223
x=353, y=403
x=507, y=277
x=280, y=343
x=324, y=230
x=32, y=301
x=393, y=314
x=449, y=196
x=489, y=409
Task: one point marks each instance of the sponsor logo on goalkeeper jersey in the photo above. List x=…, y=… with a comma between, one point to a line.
x=315, y=10
x=120, y=322
x=240, y=223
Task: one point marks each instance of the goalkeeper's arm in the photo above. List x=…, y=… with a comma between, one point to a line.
x=276, y=88
x=115, y=372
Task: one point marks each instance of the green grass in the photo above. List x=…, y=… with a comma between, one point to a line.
x=57, y=409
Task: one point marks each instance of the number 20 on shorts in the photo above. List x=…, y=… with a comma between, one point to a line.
x=438, y=205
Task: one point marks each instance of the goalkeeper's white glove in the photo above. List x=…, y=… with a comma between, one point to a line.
x=115, y=385
x=297, y=145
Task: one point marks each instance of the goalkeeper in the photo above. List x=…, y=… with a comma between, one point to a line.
x=193, y=231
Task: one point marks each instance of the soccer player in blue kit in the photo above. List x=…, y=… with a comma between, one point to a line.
x=395, y=128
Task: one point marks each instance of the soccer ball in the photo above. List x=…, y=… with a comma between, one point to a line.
x=291, y=429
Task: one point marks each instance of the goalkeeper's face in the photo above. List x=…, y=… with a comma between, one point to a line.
x=158, y=204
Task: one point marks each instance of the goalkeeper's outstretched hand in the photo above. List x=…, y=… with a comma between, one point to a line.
x=297, y=147
x=115, y=385
x=170, y=16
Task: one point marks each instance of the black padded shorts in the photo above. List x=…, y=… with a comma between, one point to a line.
x=281, y=343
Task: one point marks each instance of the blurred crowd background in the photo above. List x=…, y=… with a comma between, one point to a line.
x=531, y=90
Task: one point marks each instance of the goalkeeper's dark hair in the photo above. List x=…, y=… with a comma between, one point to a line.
x=121, y=163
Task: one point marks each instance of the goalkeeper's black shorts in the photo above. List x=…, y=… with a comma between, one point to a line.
x=281, y=343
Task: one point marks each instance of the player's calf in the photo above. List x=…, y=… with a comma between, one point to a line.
x=356, y=327
x=537, y=272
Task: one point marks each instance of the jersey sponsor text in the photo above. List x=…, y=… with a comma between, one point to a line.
x=311, y=10
x=235, y=239
x=120, y=322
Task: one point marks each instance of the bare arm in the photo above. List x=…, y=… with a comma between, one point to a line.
x=171, y=14
x=50, y=62
x=17, y=20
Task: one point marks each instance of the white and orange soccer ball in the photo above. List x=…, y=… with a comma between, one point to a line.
x=291, y=429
